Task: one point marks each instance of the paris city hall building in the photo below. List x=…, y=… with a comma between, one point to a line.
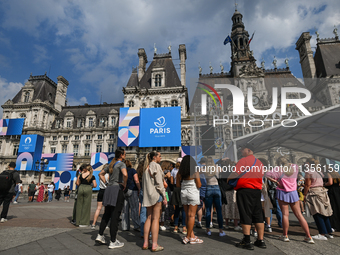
x=86, y=129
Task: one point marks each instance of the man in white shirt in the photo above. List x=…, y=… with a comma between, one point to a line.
x=50, y=188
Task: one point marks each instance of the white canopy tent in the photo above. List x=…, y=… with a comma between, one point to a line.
x=318, y=134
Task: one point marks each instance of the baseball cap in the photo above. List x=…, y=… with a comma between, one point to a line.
x=179, y=160
x=248, y=146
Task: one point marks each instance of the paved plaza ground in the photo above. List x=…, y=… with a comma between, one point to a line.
x=45, y=228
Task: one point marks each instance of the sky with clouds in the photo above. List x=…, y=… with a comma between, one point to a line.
x=94, y=44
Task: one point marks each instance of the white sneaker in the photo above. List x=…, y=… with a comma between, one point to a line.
x=269, y=229
x=83, y=226
x=93, y=227
x=238, y=228
x=15, y=202
x=3, y=220
x=320, y=237
x=284, y=238
x=211, y=225
x=100, y=239
x=333, y=230
x=115, y=244
x=329, y=236
x=163, y=228
x=254, y=233
x=308, y=240
x=222, y=233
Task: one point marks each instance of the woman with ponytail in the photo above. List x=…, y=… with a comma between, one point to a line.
x=153, y=196
x=113, y=198
x=85, y=182
x=285, y=176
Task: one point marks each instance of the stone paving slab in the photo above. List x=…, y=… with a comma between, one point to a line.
x=44, y=228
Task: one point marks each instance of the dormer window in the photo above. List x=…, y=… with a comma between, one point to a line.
x=90, y=122
x=57, y=124
x=68, y=123
x=157, y=104
x=102, y=122
x=26, y=97
x=174, y=103
x=158, y=76
x=79, y=123
x=158, y=80
x=131, y=104
x=113, y=121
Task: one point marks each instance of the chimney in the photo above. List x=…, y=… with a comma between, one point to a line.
x=306, y=55
x=60, y=100
x=182, y=56
x=142, y=63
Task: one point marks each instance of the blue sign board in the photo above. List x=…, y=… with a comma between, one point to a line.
x=160, y=127
x=30, y=149
x=11, y=126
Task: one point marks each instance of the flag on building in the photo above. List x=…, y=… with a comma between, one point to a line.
x=227, y=40
x=251, y=38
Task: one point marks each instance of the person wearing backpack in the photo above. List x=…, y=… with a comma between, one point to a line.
x=18, y=190
x=8, y=180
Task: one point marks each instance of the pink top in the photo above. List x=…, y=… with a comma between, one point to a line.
x=287, y=182
x=316, y=179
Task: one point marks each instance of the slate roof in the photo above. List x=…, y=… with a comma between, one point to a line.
x=327, y=58
x=43, y=86
x=161, y=61
x=80, y=111
x=133, y=81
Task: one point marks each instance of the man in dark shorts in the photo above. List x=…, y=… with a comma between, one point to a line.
x=249, y=196
x=31, y=191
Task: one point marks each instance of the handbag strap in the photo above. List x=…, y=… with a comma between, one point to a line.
x=247, y=170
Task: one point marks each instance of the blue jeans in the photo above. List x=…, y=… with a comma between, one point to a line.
x=16, y=197
x=278, y=214
x=50, y=197
x=213, y=196
x=323, y=224
x=176, y=215
x=142, y=216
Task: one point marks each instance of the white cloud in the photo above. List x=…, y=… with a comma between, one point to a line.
x=40, y=54
x=74, y=101
x=109, y=33
x=8, y=91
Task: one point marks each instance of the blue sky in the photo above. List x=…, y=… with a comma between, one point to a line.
x=94, y=44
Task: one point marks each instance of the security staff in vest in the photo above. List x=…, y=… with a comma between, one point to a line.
x=7, y=195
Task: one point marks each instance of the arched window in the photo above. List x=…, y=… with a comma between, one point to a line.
x=158, y=80
x=174, y=103
x=131, y=104
x=157, y=104
x=27, y=97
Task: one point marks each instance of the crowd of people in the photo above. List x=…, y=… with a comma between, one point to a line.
x=159, y=195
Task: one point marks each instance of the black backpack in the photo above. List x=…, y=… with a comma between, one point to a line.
x=6, y=181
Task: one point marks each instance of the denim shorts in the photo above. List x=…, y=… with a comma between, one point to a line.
x=160, y=199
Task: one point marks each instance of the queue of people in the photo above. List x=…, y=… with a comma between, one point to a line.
x=156, y=193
